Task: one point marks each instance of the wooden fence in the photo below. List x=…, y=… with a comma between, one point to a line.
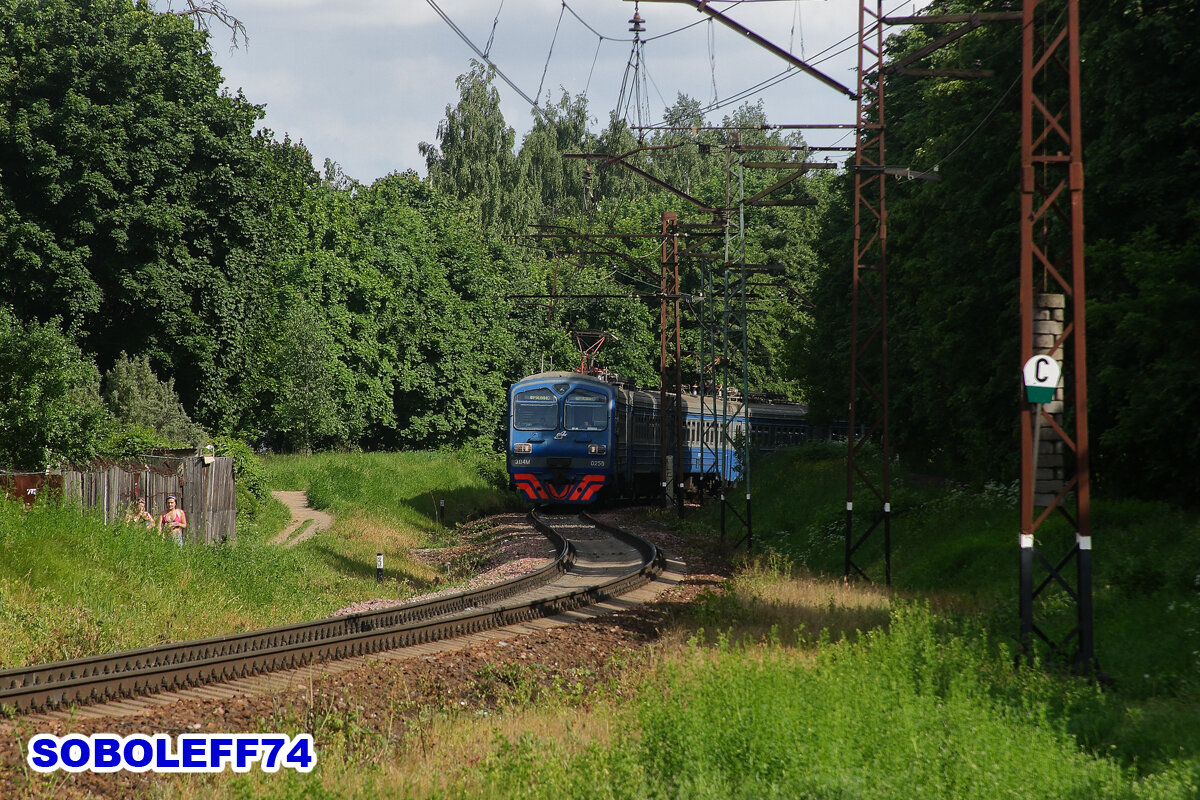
x=202, y=485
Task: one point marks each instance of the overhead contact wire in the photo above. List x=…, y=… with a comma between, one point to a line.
x=999, y=102
x=599, y=41
x=553, y=39
x=790, y=72
x=584, y=23
x=492, y=37
x=467, y=40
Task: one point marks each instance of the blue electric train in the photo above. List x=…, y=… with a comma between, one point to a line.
x=573, y=436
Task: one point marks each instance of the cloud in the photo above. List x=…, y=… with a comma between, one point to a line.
x=363, y=81
x=326, y=15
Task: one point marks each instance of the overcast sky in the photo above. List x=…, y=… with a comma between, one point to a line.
x=363, y=82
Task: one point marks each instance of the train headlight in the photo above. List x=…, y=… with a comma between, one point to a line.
x=597, y=449
x=522, y=447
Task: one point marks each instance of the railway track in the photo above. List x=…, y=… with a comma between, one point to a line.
x=595, y=562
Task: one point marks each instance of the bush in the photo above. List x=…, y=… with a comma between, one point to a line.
x=50, y=407
x=124, y=443
x=249, y=473
x=486, y=463
x=137, y=398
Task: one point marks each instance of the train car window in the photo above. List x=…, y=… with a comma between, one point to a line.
x=586, y=410
x=535, y=410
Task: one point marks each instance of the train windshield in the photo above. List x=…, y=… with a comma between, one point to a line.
x=535, y=410
x=586, y=410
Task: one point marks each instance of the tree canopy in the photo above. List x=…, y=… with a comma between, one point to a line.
x=954, y=247
x=149, y=232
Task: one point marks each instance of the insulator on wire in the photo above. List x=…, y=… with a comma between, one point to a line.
x=637, y=22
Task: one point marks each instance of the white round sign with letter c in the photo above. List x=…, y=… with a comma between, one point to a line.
x=1041, y=378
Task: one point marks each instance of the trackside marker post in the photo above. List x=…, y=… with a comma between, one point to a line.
x=379, y=567
x=1041, y=373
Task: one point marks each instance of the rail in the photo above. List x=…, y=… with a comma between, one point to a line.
x=545, y=592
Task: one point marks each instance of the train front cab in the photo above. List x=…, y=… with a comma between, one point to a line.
x=560, y=437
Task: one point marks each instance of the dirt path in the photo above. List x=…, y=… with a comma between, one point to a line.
x=306, y=520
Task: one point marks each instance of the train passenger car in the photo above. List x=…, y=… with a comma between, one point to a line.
x=572, y=436
x=560, y=436
x=776, y=425
x=639, y=466
x=769, y=426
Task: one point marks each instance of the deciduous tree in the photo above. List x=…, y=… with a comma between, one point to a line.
x=50, y=406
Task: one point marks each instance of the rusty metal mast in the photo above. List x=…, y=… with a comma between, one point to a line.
x=740, y=280
x=1052, y=323
x=669, y=325
x=869, y=389
x=868, y=334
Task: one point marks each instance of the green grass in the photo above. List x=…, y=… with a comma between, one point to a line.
x=393, y=503
x=959, y=548
x=71, y=585
x=784, y=681
x=402, y=489
x=921, y=707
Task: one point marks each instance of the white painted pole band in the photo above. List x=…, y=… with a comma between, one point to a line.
x=849, y=506
x=1084, y=542
x=887, y=508
x=1026, y=541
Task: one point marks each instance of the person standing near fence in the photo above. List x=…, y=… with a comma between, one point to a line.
x=140, y=514
x=174, y=519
